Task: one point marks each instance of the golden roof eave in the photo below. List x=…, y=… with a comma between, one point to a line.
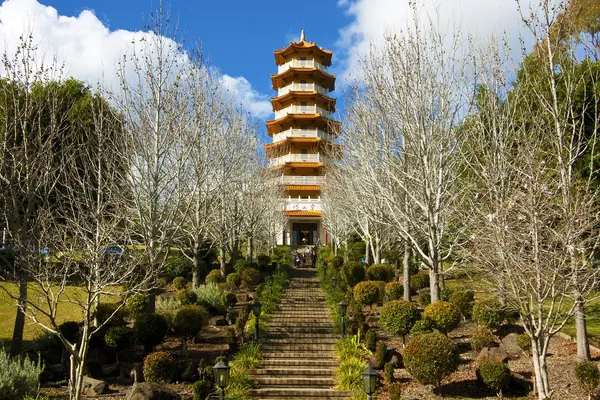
x=291, y=72
x=303, y=213
x=281, y=54
x=302, y=188
x=278, y=101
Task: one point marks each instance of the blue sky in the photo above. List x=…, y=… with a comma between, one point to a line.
x=238, y=36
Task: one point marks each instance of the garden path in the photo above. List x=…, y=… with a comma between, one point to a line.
x=298, y=350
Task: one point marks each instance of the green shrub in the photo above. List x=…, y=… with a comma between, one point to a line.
x=168, y=305
x=19, y=377
x=241, y=320
x=263, y=260
x=524, y=342
x=395, y=391
x=105, y=311
x=587, y=375
x=135, y=305
x=394, y=291
x=397, y=317
x=187, y=297
x=230, y=337
x=70, y=330
x=482, y=337
x=421, y=327
x=213, y=277
x=419, y=281
x=234, y=280
x=349, y=373
x=431, y=357
x=444, y=315
x=356, y=251
x=337, y=263
x=370, y=339
x=239, y=265
x=381, y=354
x=445, y=294
x=162, y=282
x=488, y=313
x=210, y=297
x=158, y=367
x=248, y=357
x=353, y=272
x=282, y=255
x=189, y=321
x=180, y=266
x=250, y=277
x=151, y=329
x=229, y=299
x=179, y=283
x=202, y=389
x=388, y=372
x=380, y=272
x=463, y=300
x=495, y=375
x=366, y=293
x=424, y=298
x=116, y=338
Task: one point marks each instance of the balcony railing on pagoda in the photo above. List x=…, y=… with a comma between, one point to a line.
x=303, y=204
x=301, y=64
x=302, y=87
x=302, y=180
x=298, y=158
x=302, y=110
x=301, y=133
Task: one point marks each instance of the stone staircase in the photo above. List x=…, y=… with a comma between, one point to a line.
x=298, y=350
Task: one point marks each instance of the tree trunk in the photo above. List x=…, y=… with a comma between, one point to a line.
x=17, y=339
x=223, y=266
x=434, y=284
x=249, y=251
x=406, y=270
x=502, y=290
x=540, y=368
x=368, y=254
x=583, y=346
x=198, y=271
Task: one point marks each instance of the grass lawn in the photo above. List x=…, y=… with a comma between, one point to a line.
x=67, y=311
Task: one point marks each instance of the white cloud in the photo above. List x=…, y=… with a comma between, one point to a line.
x=89, y=50
x=374, y=19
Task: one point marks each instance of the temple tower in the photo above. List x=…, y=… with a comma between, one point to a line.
x=302, y=132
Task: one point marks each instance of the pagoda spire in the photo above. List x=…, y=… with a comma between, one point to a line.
x=302, y=36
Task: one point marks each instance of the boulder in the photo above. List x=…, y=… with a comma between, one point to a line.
x=137, y=372
x=395, y=358
x=151, y=391
x=509, y=344
x=221, y=322
x=93, y=387
x=491, y=353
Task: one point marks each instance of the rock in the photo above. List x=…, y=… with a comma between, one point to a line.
x=520, y=382
x=491, y=353
x=395, y=358
x=137, y=373
x=506, y=329
x=221, y=322
x=151, y=391
x=372, y=320
x=93, y=387
x=190, y=371
x=110, y=370
x=509, y=344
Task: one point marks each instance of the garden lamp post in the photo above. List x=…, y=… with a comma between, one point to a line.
x=221, y=374
x=256, y=311
x=342, y=307
x=370, y=378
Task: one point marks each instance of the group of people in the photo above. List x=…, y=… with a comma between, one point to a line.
x=305, y=259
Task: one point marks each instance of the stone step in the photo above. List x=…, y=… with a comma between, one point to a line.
x=301, y=335
x=299, y=362
x=302, y=340
x=295, y=381
x=270, y=347
x=299, y=355
x=301, y=372
x=295, y=393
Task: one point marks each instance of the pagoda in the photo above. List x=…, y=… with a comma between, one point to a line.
x=302, y=132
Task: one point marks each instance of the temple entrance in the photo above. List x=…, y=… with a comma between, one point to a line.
x=304, y=234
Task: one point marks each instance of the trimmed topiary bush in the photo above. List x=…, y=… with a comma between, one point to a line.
x=187, y=297
x=495, y=375
x=19, y=377
x=189, y=321
x=395, y=391
x=444, y=315
x=135, y=305
x=336, y=263
x=394, y=291
x=370, y=340
x=250, y=277
x=151, y=330
x=388, y=372
x=158, y=367
x=234, y=280
x=353, y=272
x=421, y=327
x=431, y=357
x=380, y=272
x=482, y=337
x=424, y=298
x=445, y=294
x=110, y=310
x=463, y=300
x=588, y=376
x=263, y=260
x=488, y=313
x=116, y=338
x=381, y=354
x=524, y=342
x=419, y=281
x=179, y=283
x=230, y=299
x=202, y=389
x=366, y=293
x=180, y=266
x=214, y=276
x=210, y=296
x=398, y=317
